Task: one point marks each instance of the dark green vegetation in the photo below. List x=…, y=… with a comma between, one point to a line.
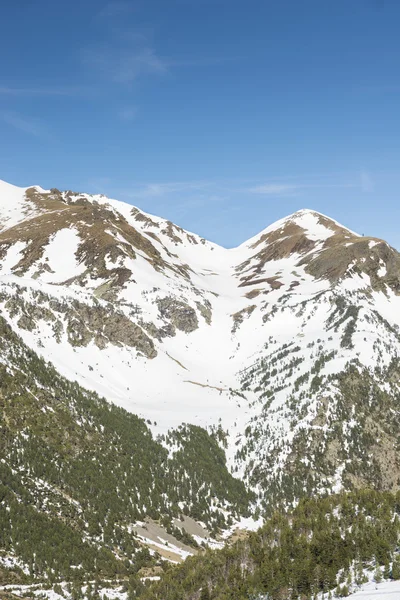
x=345, y=426
x=76, y=471
x=323, y=545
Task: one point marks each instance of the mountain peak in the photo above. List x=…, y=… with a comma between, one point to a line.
x=309, y=223
x=17, y=203
x=177, y=329
x=108, y=239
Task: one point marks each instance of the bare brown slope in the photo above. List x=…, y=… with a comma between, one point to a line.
x=343, y=254
x=96, y=225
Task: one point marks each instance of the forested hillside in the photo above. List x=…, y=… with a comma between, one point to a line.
x=76, y=473
x=158, y=391
x=324, y=546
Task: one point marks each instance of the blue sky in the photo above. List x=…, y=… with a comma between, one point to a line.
x=221, y=115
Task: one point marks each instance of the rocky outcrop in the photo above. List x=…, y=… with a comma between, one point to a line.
x=205, y=310
x=180, y=314
x=239, y=317
x=82, y=323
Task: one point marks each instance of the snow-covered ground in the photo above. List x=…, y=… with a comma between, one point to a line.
x=389, y=590
x=386, y=590
x=196, y=375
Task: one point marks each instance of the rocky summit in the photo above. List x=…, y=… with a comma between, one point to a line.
x=278, y=359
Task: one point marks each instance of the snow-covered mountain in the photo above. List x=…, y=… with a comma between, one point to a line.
x=288, y=344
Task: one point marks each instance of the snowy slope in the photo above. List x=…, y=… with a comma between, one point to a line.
x=178, y=329
x=14, y=208
x=375, y=591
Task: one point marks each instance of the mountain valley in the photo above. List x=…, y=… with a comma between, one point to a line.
x=161, y=394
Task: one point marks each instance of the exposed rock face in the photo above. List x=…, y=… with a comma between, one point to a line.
x=82, y=323
x=239, y=317
x=271, y=340
x=205, y=311
x=333, y=257
x=181, y=315
x=159, y=332
x=96, y=226
x=368, y=256
x=110, y=327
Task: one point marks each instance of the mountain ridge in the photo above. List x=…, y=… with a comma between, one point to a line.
x=8, y=190
x=180, y=330
x=159, y=390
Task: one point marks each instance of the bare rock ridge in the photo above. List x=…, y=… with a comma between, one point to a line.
x=269, y=341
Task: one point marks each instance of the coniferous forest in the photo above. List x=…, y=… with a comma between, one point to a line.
x=75, y=470
x=324, y=545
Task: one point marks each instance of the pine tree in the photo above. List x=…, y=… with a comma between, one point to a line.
x=342, y=591
x=205, y=594
x=396, y=568
x=378, y=574
x=386, y=571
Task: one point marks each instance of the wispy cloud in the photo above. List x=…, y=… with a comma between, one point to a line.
x=116, y=8
x=199, y=200
x=98, y=184
x=23, y=123
x=274, y=188
x=39, y=91
x=282, y=189
x=152, y=190
x=128, y=113
x=378, y=88
x=127, y=54
x=184, y=196
x=200, y=61
x=125, y=65
x=367, y=184
x=223, y=189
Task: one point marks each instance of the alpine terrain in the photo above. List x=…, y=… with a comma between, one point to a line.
x=161, y=394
